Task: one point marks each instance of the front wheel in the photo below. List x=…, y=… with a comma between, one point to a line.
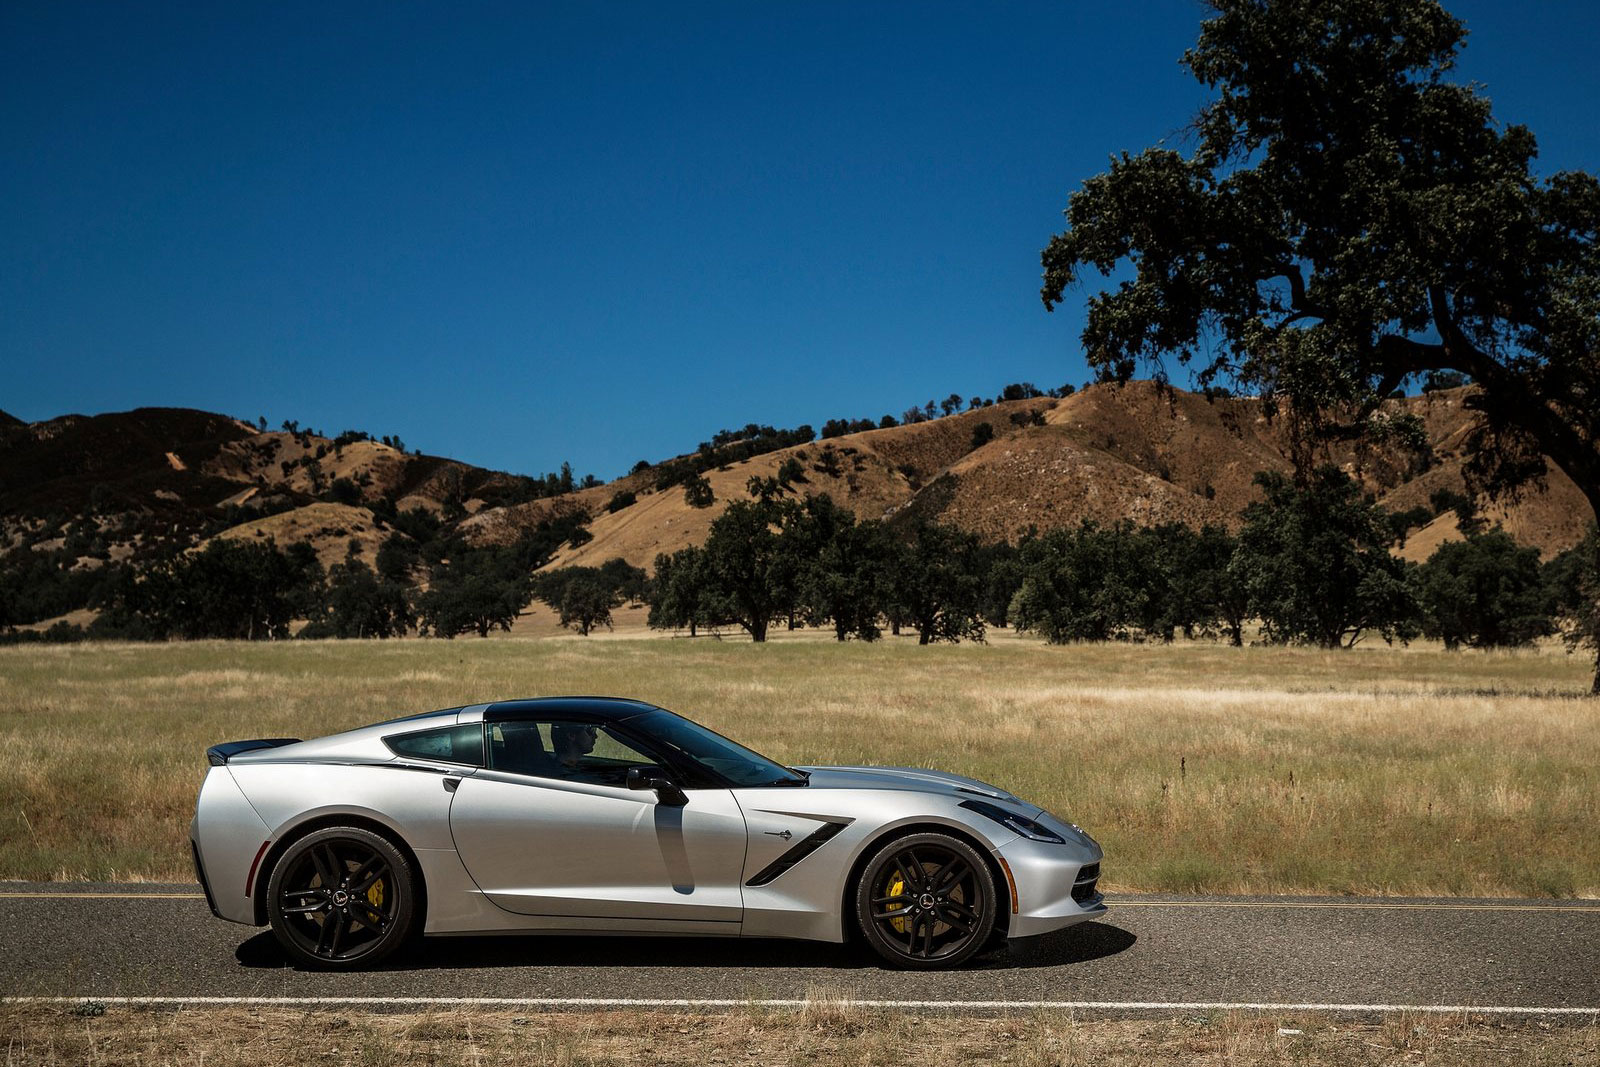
x=341, y=898
x=926, y=901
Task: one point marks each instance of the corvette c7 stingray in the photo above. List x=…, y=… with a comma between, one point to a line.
x=589, y=814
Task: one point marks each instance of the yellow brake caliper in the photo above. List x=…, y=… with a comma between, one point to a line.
x=375, y=894
x=896, y=888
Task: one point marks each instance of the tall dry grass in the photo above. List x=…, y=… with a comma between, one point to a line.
x=822, y=1034
x=1200, y=768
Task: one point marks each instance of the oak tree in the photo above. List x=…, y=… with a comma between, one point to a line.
x=1348, y=218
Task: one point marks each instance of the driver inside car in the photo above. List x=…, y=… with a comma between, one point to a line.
x=571, y=742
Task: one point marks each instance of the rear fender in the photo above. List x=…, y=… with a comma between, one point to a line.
x=228, y=838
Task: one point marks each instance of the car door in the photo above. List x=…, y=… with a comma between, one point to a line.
x=566, y=839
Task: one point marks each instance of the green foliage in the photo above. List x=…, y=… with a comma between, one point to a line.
x=583, y=597
x=1465, y=508
x=1401, y=523
x=482, y=588
x=622, y=498
x=1120, y=582
x=247, y=590
x=1316, y=567
x=1020, y=391
x=398, y=558
x=1572, y=588
x=744, y=566
x=587, y=602
x=1002, y=571
x=1095, y=583
x=934, y=583
x=834, y=568
x=791, y=471
x=1196, y=594
x=37, y=585
x=345, y=491
x=840, y=427
x=982, y=434
x=479, y=591
x=360, y=603
x=419, y=524
x=630, y=582
x=680, y=595
x=697, y=492
x=728, y=447
x=1485, y=592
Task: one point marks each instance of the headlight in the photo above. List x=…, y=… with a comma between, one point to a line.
x=1020, y=824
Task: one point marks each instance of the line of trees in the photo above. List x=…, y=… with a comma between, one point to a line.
x=1311, y=563
x=950, y=405
x=425, y=578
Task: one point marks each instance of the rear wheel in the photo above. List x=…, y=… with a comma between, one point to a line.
x=926, y=901
x=341, y=898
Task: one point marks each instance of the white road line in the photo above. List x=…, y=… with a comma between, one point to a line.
x=102, y=896
x=636, y=1002
x=1379, y=905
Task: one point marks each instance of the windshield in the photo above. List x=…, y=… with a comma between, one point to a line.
x=731, y=762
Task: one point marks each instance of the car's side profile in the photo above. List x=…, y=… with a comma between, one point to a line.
x=614, y=816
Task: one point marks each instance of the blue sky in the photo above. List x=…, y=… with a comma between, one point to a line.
x=524, y=233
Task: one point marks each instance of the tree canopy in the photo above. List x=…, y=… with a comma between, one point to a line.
x=1347, y=219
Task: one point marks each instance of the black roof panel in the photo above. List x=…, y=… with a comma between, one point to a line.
x=600, y=709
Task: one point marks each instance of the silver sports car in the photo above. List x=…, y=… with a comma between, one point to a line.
x=602, y=815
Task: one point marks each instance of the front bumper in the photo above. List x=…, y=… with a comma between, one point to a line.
x=1055, y=886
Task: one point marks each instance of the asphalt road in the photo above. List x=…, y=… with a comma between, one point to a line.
x=147, y=940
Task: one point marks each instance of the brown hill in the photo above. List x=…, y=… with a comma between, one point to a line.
x=156, y=477
x=330, y=528
x=873, y=473
x=134, y=481
x=1142, y=452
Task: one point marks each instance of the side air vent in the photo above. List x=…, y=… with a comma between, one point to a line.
x=803, y=848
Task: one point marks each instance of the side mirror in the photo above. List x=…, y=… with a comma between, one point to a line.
x=655, y=778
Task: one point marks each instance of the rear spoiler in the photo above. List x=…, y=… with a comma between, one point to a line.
x=217, y=755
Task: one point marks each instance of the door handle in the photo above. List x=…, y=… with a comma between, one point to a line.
x=450, y=784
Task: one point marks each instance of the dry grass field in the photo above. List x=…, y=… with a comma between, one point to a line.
x=822, y=1033
x=1201, y=768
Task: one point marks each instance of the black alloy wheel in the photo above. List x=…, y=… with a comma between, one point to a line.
x=926, y=901
x=341, y=898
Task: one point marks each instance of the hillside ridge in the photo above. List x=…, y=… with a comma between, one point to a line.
x=134, y=483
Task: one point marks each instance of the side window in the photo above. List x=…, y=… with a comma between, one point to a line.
x=572, y=751
x=451, y=744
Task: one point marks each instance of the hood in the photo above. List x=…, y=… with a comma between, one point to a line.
x=911, y=779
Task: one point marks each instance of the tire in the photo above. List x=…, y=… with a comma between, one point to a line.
x=926, y=901
x=341, y=898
